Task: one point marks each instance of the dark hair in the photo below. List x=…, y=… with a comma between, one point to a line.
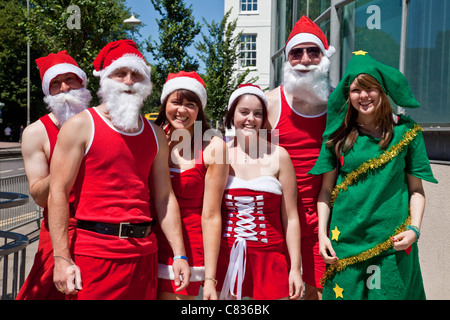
x=344, y=137
x=182, y=94
x=230, y=114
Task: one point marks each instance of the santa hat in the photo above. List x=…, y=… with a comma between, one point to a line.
x=56, y=64
x=305, y=30
x=393, y=82
x=247, y=88
x=120, y=54
x=185, y=80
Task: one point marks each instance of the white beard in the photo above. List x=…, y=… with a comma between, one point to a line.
x=67, y=104
x=124, y=108
x=312, y=87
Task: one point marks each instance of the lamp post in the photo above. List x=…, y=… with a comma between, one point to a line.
x=133, y=21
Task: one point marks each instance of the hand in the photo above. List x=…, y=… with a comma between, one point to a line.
x=295, y=285
x=182, y=273
x=66, y=276
x=326, y=250
x=404, y=240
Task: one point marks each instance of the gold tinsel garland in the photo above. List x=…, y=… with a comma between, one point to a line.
x=350, y=179
x=375, y=163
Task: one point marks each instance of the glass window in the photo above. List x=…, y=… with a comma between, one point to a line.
x=249, y=5
x=248, y=50
x=427, y=60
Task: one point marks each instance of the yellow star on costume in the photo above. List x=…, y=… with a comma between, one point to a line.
x=338, y=291
x=359, y=53
x=335, y=234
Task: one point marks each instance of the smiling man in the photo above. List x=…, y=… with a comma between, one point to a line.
x=113, y=157
x=297, y=113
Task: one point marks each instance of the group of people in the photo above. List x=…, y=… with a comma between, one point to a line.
x=141, y=210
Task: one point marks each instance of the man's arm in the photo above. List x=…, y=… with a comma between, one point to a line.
x=167, y=209
x=68, y=154
x=35, y=153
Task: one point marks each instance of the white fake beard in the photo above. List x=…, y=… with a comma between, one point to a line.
x=124, y=108
x=67, y=104
x=312, y=87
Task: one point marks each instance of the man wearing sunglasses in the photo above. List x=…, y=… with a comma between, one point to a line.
x=297, y=113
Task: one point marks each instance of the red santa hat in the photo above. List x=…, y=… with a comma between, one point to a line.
x=120, y=54
x=56, y=64
x=305, y=30
x=247, y=88
x=185, y=80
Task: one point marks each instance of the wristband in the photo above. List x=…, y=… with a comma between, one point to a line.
x=180, y=257
x=415, y=229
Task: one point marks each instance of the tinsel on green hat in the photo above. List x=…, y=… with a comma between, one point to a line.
x=392, y=80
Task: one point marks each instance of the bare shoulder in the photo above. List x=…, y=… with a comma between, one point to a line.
x=273, y=101
x=77, y=128
x=34, y=136
x=273, y=97
x=215, y=151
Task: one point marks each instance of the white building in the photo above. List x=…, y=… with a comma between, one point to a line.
x=254, y=20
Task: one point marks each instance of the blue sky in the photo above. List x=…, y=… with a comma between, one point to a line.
x=209, y=9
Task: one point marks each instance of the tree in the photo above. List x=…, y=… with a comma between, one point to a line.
x=177, y=30
x=220, y=51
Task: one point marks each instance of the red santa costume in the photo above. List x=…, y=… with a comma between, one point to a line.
x=253, y=250
x=301, y=136
x=39, y=283
x=188, y=186
x=113, y=240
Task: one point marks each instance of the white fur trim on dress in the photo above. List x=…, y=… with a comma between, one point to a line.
x=58, y=69
x=186, y=83
x=308, y=37
x=166, y=272
x=130, y=61
x=262, y=183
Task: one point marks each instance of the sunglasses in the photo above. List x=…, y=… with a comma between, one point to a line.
x=297, y=53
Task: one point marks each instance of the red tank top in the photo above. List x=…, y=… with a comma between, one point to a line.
x=112, y=187
x=301, y=136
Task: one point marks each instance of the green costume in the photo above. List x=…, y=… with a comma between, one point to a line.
x=371, y=200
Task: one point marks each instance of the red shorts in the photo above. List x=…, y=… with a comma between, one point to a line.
x=117, y=279
x=313, y=266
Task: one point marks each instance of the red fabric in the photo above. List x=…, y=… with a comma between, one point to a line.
x=39, y=283
x=188, y=187
x=302, y=138
x=117, y=279
x=113, y=51
x=53, y=59
x=112, y=187
x=182, y=74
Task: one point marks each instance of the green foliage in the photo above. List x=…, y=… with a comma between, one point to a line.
x=177, y=30
x=219, y=50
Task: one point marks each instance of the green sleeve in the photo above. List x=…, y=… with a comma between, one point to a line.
x=325, y=162
x=417, y=162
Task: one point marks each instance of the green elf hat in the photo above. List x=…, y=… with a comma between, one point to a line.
x=394, y=84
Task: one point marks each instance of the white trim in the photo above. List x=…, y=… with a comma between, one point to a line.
x=58, y=69
x=246, y=90
x=262, y=183
x=186, y=83
x=154, y=133
x=131, y=61
x=119, y=131
x=166, y=272
x=91, y=140
x=302, y=38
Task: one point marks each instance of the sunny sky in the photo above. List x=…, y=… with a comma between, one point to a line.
x=209, y=9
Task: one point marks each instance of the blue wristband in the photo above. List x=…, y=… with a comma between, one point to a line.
x=180, y=257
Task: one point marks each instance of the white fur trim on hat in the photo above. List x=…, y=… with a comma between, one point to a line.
x=246, y=90
x=59, y=69
x=308, y=37
x=186, y=83
x=130, y=61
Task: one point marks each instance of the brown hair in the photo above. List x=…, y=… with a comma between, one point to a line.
x=230, y=114
x=344, y=137
x=190, y=96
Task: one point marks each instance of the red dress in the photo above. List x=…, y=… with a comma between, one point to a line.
x=253, y=255
x=188, y=186
x=39, y=283
x=301, y=136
